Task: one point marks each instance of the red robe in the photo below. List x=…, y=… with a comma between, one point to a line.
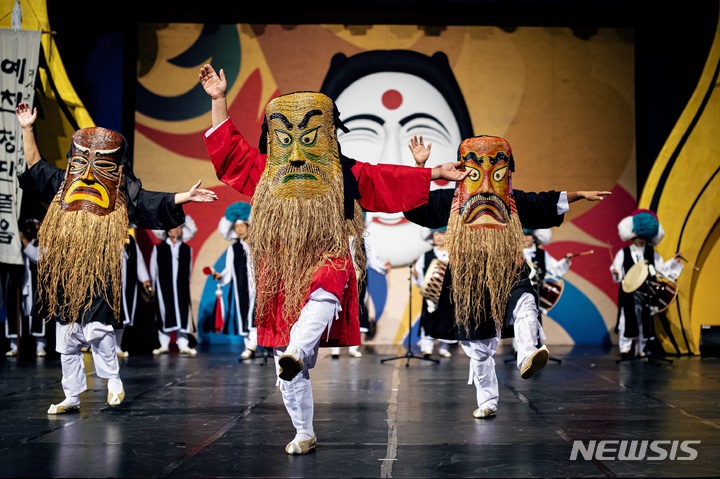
x=383, y=188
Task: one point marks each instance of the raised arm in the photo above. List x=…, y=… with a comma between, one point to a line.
x=27, y=118
x=419, y=151
x=215, y=86
x=448, y=171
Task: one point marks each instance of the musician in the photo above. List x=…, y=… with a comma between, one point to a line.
x=635, y=309
x=422, y=265
x=487, y=294
x=541, y=263
x=170, y=272
x=233, y=226
x=134, y=273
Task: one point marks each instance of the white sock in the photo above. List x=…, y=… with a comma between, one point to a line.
x=302, y=436
x=70, y=401
x=115, y=386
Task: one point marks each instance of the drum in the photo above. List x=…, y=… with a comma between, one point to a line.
x=662, y=293
x=635, y=276
x=551, y=289
x=433, y=280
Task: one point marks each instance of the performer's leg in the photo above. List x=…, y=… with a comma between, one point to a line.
x=482, y=375
x=335, y=353
x=102, y=338
x=426, y=343
x=294, y=362
x=183, y=342
x=314, y=320
x=250, y=344
x=40, y=345
x=69, y=341
x=444, y=347
x=164, y=339
x=530, y=358
x=298, y=399
x=624, y=344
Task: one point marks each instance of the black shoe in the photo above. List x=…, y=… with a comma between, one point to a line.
x=372, y=329
x=336, y=356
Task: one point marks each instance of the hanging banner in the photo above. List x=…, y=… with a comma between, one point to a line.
x=19, y=55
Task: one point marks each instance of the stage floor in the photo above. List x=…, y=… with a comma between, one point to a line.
x=212, y=416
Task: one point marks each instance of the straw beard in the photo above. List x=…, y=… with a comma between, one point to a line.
x=294, y=237
x=80, y=258
x=486, y=263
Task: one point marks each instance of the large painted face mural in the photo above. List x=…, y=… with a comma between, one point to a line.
x=302, y=146
x=384, y=101
x=483, y=198
x=94, y=171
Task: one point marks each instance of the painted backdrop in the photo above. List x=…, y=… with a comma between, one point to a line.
x=566, y=105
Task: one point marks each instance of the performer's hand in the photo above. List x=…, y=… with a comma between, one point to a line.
x=449, y=171
x=25, y=115
x=419, y=152
x=196, y=195
x=200, y=195
x=594, y=195
x=214, y=84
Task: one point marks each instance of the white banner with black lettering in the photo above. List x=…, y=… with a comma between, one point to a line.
x=19, y=56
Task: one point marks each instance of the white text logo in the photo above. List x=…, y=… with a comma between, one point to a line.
x=627, y=450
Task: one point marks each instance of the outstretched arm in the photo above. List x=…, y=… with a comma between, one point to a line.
x=195, y=194
x=573, y=196
x=215, y=86
x=27, y=118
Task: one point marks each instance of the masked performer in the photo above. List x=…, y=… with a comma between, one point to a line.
x=82, y=242
x=486, y=293
x=635, y=309
x=307, y=201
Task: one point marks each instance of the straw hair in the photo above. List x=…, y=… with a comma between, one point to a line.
x=80, y=258
x=290, y=238
x=486, y=263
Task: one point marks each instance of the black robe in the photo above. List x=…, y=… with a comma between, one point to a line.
x=146, y=209
x=536, y=210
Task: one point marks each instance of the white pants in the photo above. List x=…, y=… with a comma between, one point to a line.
x=182, y=339
x=251, y=339
x=625, y=344
x=482, y=365
x=70, y=338
x=315, y=318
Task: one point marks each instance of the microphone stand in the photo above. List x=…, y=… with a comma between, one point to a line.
x=409, y=354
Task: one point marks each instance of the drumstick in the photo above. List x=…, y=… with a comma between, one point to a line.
x=583, y=253
x=682, y=258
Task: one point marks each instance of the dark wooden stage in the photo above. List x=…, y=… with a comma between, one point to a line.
x=211, y=416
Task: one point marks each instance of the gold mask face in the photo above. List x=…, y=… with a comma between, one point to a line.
x=94, y=171
x=302, y=146
x=483, y=198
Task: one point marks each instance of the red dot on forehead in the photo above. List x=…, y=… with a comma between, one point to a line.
x=392, y=99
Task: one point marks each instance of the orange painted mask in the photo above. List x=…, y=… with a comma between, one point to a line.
x=94, y=171
x=484, y=198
